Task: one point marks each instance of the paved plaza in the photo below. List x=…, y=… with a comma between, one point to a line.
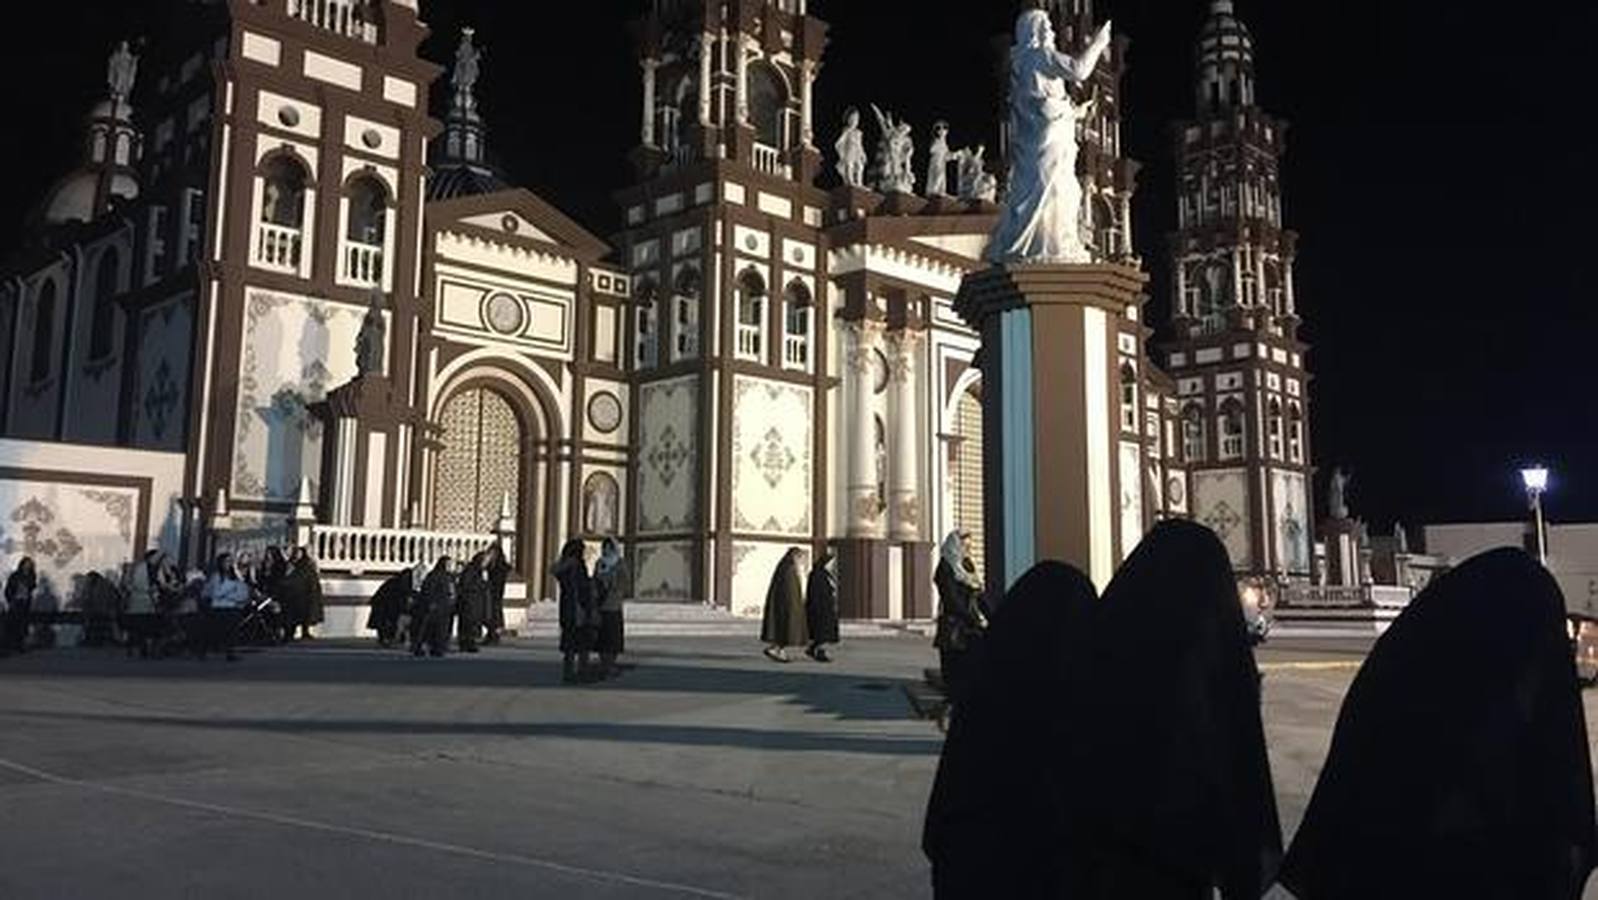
x=340, y=770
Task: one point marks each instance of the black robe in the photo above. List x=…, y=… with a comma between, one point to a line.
x=999, y=820
x=498, y=573
x=959, y=612
x=390, y=602
x=579, y=611
x=783, y=624
x=1460, y=764
x=1179, y=801
x=299, y=592
x=821, y=604
x=472, y=599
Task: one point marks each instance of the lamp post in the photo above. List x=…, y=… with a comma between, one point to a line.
x=1536, y=481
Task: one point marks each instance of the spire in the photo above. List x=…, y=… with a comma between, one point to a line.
x=1225, y=62
x=460, y=158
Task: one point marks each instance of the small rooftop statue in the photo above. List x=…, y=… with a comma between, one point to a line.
x=851, y=147
x=895, y=152
x=468, y=65
x=938, y=161
x=1337, y=494
x=121, y=73
x=370, y=341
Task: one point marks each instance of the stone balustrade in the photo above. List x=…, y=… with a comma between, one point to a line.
x=360, y=550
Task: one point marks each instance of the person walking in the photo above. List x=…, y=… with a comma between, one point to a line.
x=225, y=597
x=610, y=588
x=498, y=569
x=20, y=588
x=579, y=617
x=821, y=606
x=471, y=607
x=783, y=623
x=961, y=623
x=437, y=609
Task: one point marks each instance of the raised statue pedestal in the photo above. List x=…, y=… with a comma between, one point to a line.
x=1050, y=421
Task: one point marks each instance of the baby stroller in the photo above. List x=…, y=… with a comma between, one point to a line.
x=262, y=624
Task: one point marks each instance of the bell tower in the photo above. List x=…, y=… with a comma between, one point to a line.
x=1237, y=359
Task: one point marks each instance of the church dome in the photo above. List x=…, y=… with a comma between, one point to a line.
x=73, y=198
x=1224, y=36
x=450, y=182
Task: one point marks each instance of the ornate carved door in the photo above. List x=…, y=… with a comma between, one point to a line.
x=967, y=472
x=481, y=462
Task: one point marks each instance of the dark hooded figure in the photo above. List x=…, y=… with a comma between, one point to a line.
x=962, y=617
x=579, y=613
x=20, y=588
x=1180, y=802
x=1459, y=767
x=437, y=610
x=999, y=823
x=821, y=607
x=274, y=578
x=471, y=602
x=498, y=569
x=300, y=593
x=783, y=624
x=390, y=602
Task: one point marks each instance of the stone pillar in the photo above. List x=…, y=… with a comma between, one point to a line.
x=807, y=80
x=742, y=72
x=341, y=473
x=304, y=515
x=1050, y=399
x=706, y=48
x=505, y=529
x=1287, y=285
x=1181, y=290
x=864, y=513
x=904, y=501
x=649, y=103
x=1237, y=276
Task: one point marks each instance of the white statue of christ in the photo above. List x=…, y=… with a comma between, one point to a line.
x=1043, y=205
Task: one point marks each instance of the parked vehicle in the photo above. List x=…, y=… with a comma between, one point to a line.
x=1583, y=632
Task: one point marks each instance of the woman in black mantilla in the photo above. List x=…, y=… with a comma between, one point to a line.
x=498, y=569
x=821, y=607
x=579, y=614
x=783, y=624
x=20, y=588
x=1460, y=764
x=392, y=600
x=436, y=610
x=961, y=622
x=471, y=603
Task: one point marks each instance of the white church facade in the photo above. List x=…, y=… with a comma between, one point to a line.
x=280, y=301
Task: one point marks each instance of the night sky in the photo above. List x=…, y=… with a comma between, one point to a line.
x=1437, y=173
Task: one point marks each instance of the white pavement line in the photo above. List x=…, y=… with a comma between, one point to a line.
x=380, y=836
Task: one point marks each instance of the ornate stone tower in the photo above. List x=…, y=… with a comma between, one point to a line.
x=1237, y=360
x=722, y=235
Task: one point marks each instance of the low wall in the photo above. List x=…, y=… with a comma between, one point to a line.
x=76, y=508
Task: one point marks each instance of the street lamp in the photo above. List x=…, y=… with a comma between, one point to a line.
x=1536, y=480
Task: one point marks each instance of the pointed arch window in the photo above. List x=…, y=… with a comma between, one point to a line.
x=279, y=242
x=102, y=322
x=1274, y=427
x=685, y=314
x=43, y=333
x=798, y=320
x=1295, y=433
x=1193, y=433
x=1128, y=398
x=751, y=326
x=365, y=232
x=1232, y=429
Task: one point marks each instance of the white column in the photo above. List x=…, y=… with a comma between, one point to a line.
x=1181, y=289
x=706, y=48
x=864, y=512
x=649, y=103
x=741, y=47
x=1126, y=223
x=807, y=79
x=1260, y=290
x=904, y=489
x=1237, y=275
x=1287, y=283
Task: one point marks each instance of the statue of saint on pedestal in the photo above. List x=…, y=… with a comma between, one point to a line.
x=1337, y=494
x=1042, y=215
x=938, y=161
x=121, y=72
x=895, y=152
x=851, y=147
x=370, y=341
x=468, y=65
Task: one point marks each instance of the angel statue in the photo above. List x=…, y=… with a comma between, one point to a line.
x=121, y=73
x=976, y=183
x=1041, y=219
x=894, y=152
x=851, y=149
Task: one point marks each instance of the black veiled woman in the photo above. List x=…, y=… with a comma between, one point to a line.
x=498, y=569
x=999, y=823
x=392, y=600
x=20, y=587
x=579, y=614
x=274, y=576
x=1179, y=803
x=471, y=603
x=961, y=621
x=1460, y=764
x=610, y=589
x=821, y=607
x=783, y=623
x=308, y=581
x=436, y=609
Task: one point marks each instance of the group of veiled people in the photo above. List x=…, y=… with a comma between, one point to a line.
x=1112, y=746
x=422, y=606
x=591, y=606
x=801, y=615
x=164, y=611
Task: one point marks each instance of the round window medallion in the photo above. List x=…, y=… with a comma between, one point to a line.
x=510, y=224
x=798, y=254
x=751, y=243
x=371, y=138
x=604, y=412
x=505, y=314
x=1177, y=492
x=289, y=116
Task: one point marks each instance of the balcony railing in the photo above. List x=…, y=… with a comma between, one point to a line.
x=363, y=264
x=796, y=351
x=1369, y=596
x=769, y=161
x=356, y=19
x=278, y=247
x=361, y=550
x=750, y=345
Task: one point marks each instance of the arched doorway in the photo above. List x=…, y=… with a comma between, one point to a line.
x=480, y=462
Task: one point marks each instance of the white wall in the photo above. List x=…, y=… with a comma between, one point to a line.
x=1572, y=552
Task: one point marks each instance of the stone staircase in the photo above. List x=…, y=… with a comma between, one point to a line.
x=698, y=620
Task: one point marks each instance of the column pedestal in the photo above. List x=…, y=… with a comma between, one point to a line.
x=1049, y=413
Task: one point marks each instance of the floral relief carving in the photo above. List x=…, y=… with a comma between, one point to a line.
x=58, y=546
x=119, y=505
